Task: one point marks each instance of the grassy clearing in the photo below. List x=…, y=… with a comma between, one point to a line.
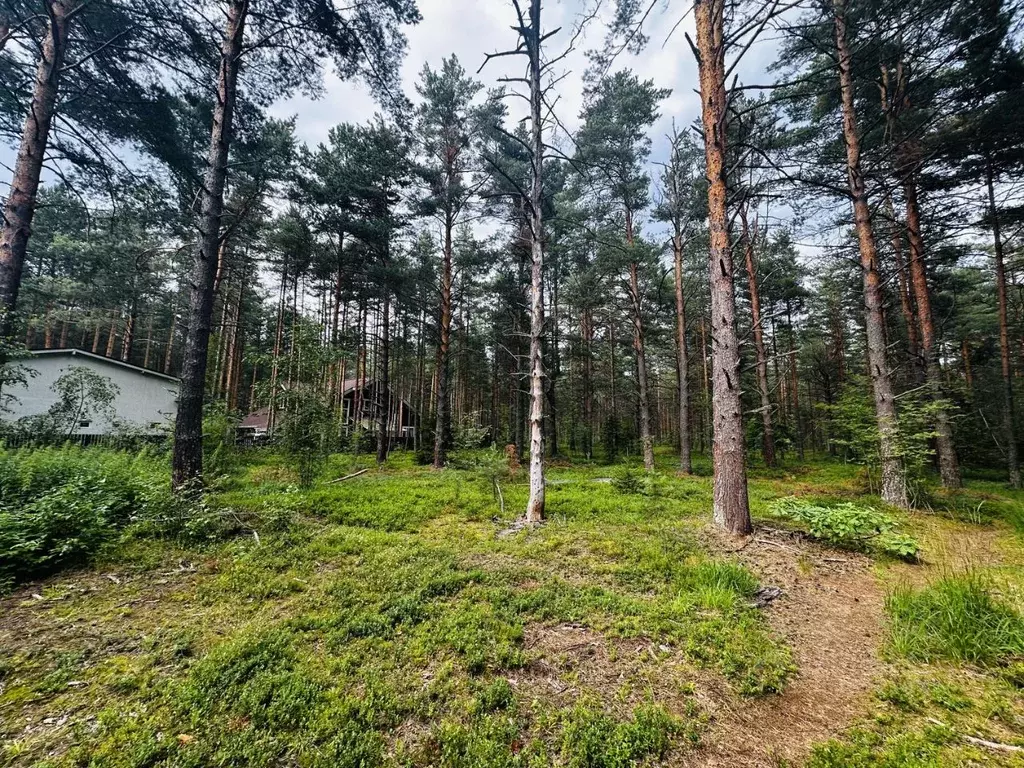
x=391, y=620
x=382, y=621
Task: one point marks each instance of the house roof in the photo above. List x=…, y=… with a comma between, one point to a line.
x=102, y=359
x=257, y=419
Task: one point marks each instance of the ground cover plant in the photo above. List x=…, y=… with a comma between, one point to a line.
x=60, y=506
x=396, y=619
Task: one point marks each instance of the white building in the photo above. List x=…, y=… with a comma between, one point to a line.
x=146, y=401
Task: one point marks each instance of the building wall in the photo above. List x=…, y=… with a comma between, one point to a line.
x=144, y=401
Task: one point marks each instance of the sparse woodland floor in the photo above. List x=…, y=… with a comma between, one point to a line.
x=396, y=620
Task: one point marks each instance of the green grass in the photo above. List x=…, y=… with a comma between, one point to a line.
x=381, y=621
x=391, y=620
x=956, y=619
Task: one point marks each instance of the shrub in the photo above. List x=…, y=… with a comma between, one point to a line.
x=58, y=506
x=849, y=526
x=955, y=619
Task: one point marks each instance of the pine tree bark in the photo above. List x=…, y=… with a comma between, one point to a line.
x=443, y=425
x=112, y=334
x=894, y=486
x=19, y=208
x=169, y=352
x=187, y=457
x=587, y=334
x=532, y=40
x=682, y=360
x=949, y=466
x=764, y=393
x=906, y=299
x=1009, y=428
x=731, y=503
x=640, y=351
x=384, y=381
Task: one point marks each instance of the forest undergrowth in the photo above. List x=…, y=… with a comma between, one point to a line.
x=398, y=618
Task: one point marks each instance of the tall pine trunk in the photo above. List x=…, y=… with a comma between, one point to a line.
x=20, y=205
x=384, y=381
x=187, y=458
x=767, y=426
x=903, y=288
x=731, y=504
x=1012, y=461
x=894, y=486
x=682, y=360
x=532, y=40
x=443, y=426
x=640, y=350
x=949, y=467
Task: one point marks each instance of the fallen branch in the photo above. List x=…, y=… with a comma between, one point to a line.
x=349, y=477
x=993, y=745
x=501, y=498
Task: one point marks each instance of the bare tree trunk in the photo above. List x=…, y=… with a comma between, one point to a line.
x=149, y=342
x=894, y=485
x=128, y=340
x=47, y=330
x=169, y=352
x=20, y=205
x=443, y=425
x=112, y=334
x=731, y=504
x=532, y=38
x=383, y=381
x=767, y=427
x=639, y=348
x=187, y=458
x=587, y=332
x=682, y=360
x=903, y=288
x=1012, y=462
x=949, y=466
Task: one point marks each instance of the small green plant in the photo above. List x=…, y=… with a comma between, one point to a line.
x=592, y=739
x=849, y=526
x=305, y=435
x=955, y=619
x=628, y=481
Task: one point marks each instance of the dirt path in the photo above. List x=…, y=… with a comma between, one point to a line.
x=830, y=615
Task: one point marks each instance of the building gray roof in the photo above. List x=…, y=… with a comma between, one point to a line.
x=100, y=358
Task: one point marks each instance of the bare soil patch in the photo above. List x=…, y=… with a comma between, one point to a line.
x=830, y=614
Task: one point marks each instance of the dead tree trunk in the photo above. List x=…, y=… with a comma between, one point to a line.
x=532, y=37
x=1012, y=461
x=731, y=504
x=767, y=427
x=949, y=467
x=682, y=360
x=20, y=205
x=187, y=458
x=894, y=486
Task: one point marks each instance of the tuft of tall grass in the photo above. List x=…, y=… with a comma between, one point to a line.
x=955, y=619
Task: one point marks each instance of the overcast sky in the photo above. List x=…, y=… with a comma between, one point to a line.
x=472, y=28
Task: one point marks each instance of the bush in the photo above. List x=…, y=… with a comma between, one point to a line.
x=58, y=506
x=954, y=619
x=849, y=526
